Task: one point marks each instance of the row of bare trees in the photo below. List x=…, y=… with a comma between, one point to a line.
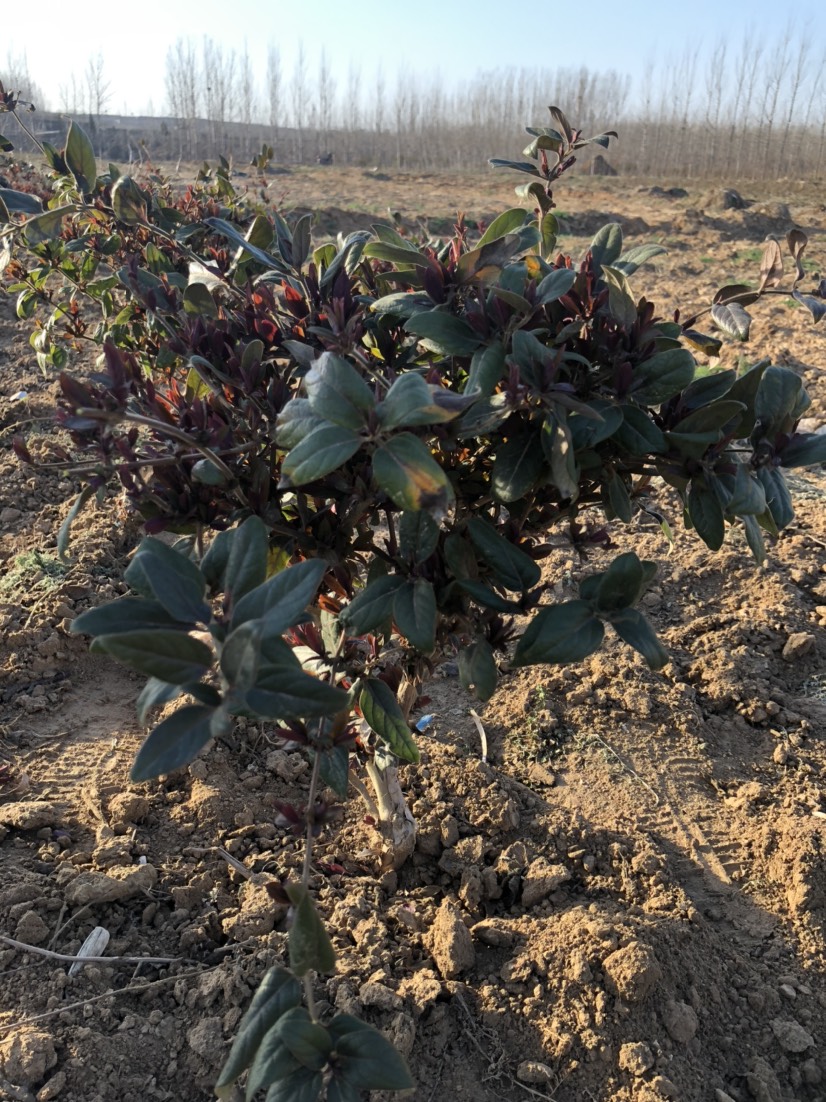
x=753, y=110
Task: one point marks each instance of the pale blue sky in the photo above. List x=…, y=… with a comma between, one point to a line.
x=438, y=39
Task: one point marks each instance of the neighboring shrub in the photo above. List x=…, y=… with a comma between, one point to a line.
x=402, y=424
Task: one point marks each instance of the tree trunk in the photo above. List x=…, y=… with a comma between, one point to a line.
x=396, y=825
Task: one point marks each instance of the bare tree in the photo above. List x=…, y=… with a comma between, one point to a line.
x=183, y=91
x=797, y=76
x=17, y=78
x=351, y=110
x=72, y=96
x=98, y=86
x=378, y=114
x=275, y=88
x=325, y=98
x=299, y=98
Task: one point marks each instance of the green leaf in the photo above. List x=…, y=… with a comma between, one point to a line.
x=346, y=258
x=5, y=145
x=662, y=376
x=175, y=742
x=484, y=416
x=126, y=614
x=477, y=669
x=172, y=578
x=414, y=611
x=230, y=233
x=335, y=769
x=324, y=450
x=284, y=691
x=731, y=320
x=621, y=584
x=71, y=517
x=406, y=471
x=309, y=943
x=277, y=993
x=606, y=247
x=80, y=158
x=776, y=400
x=638, y=435
x=748, y=498
x=302, y=1086
x=199, y=302
x=532, y=357
x=295, y=421
x=563, y=633
x=486, y=370
x=44, y=227
x=558, y=445
x=282, y=599
x=754, y=538
x=364, y=1058
x=301, y=241
x=503, y=224
x=520, y=166
x=723, y=415
x=619, y=500
x=815, y=306
x=511, y=567
x=804, y=450
x=214, y=562
x=20, y=202
x=128, y=201
x=555, y=284
x=777, y=495
x=154, y=693
x=444, y=333
x=247, y=562
x=371, y=608
x=621, y=303
x=339, y=1091
x=274, y=1066
x=518, y=465
x=405, y=255
x=418, y=535
x=459, y=557
x=338, y=393
x=240, y=655
x=402, y=304
x=167, y=654
x=309, y=1042
x=634, y=629
x=640, y=254
x=383, y=715
x=587, y=432
x=411, y=401
x=548, y=231
x=487, y=597
x=706, y=514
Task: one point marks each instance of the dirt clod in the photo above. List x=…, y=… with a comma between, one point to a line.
x=27, y=1054
x=791, y=1036
x=450, y=943
x=114, y=885
x=632, y=972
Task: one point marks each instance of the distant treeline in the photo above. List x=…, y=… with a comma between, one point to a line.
x=754, y=111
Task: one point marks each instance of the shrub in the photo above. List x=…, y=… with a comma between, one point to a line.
x=381, y=432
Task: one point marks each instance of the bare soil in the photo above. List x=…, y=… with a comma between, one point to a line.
x=624, y=903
